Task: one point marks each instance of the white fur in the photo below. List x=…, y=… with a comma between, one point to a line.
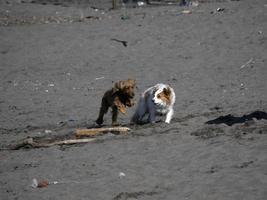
x=151, y=105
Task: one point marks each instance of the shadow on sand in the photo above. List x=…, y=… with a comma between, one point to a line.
x=230, y=119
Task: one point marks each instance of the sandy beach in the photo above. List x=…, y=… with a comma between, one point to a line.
x=57, y=60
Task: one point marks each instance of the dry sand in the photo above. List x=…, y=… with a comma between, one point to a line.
x=57, y=61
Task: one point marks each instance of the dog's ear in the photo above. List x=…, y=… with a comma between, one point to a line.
x=121, y=107
x=167, y=91
x=131, y=82
x=118, y=86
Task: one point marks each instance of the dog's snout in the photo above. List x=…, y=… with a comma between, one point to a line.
x=131, y=94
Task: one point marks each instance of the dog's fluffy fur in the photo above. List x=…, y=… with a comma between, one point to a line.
x=120, y=96
x=156, y=100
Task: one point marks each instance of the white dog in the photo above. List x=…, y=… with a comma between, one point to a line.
x=156, y=100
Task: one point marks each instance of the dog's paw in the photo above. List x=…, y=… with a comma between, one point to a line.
x=152, y=122
x=115, y=124
x=168, y=121
x=164, y=125
x=99, y=121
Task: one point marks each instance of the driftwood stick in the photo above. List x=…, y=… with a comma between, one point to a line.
x=79, y=133
x=23, y=143
x=72, y=141
x=164, y=3
x=98, y=131
x=31, y=143
x=124, y=43
x=247, y=63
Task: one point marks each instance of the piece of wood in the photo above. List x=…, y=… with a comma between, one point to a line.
x=98, y=131
x=31, y=143
x=23, y=143
x=72, y=141
x=159, y=3
x=247, y=63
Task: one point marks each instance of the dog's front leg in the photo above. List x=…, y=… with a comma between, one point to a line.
x=152, y=113
x=169, y=116
x=114, y=116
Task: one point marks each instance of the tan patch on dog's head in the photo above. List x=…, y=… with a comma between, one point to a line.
x=126, y=87
x=165, y=95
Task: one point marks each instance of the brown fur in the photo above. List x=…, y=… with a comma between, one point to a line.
x=165, y=95
x=120, y=96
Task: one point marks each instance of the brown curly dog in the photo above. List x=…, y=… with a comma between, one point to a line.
x=120, y=96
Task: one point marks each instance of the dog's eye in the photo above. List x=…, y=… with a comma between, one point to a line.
x=158, y=95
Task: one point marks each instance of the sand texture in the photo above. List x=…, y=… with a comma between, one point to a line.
x=56, y=62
